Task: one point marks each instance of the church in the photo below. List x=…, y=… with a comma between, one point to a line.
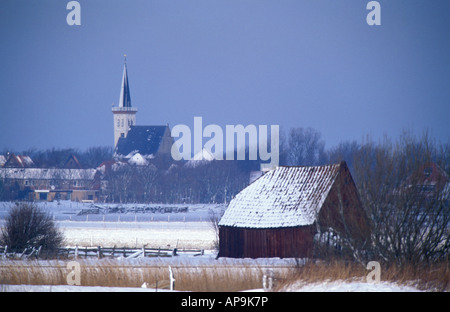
x=147, y=142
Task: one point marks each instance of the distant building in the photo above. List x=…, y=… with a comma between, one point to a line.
x=129, y=138
x=428, y=181
x=124, y=114
x=432, y=177
x=2, y=160
x=72, y=163
x=50, y=184
x=149, y=141
x=279, y=213
x=17, y=161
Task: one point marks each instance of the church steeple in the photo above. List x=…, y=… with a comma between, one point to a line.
x=125, y=100
x=124, y=114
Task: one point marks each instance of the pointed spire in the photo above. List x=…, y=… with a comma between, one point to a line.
x=125, y=100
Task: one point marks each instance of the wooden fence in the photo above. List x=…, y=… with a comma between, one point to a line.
x=99, y=252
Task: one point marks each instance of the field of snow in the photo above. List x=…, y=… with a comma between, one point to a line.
x=76, y=211
x=189, y=235
x=349, y=286
x=131, y=225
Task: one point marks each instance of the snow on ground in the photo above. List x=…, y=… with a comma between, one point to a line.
x=68, y=210
x=349, y=286
x=190, y=229
x=337, y=286
x=67, y=288
x=189, y=235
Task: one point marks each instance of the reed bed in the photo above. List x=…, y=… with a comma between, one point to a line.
x=427, y=277
x=219, y=277
x=115, y=273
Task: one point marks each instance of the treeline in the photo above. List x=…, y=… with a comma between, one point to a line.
x=56, y=158
x=404, y=188
x=218, y=181
x=210, y=182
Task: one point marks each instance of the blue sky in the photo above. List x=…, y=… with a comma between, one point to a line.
x=298, y=63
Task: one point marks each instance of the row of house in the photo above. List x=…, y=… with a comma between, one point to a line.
x=19, y=174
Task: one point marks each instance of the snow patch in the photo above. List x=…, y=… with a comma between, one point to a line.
x=348, y=286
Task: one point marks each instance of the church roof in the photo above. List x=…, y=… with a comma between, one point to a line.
x=145, y=140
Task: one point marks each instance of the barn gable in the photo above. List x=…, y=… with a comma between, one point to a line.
x=279, y=213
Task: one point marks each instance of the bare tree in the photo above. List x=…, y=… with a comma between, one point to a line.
x=305, y=147
x=409, y=222
x=146, y=178
x=214, y=218
x=28, y=226
x=95, y=155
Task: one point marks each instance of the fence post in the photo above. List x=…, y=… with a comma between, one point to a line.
x=172, y=279
x=38, y=252
x=99, y=252
x=4, y=253
x=268, y=280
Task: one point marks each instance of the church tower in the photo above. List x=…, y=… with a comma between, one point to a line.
x=124, y=114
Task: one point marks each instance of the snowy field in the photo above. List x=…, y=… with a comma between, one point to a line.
x=131, y=225
x=188, y=235
x=349, y=286
x=75, y=211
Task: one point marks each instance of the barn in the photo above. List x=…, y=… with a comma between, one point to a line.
x=279, y=214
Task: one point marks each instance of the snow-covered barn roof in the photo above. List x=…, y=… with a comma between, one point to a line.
x=283, y=197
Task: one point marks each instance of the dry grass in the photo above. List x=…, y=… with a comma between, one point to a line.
x=113, y=273
x=433, y=277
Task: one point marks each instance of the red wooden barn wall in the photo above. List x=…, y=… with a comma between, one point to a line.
x=266, y=243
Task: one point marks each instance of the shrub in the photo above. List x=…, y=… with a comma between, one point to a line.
x=28, y=226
